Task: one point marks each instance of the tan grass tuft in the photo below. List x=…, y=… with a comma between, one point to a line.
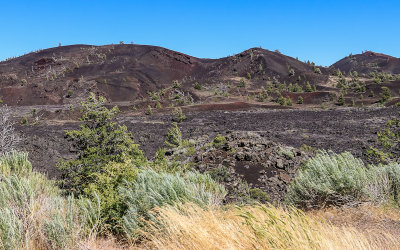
x=258, y=227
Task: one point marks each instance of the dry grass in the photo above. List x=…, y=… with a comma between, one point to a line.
x=369, y=219
x=259, y=227
x=109, y=243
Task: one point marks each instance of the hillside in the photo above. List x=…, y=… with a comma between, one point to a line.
x=368, y=62
x=124, y=73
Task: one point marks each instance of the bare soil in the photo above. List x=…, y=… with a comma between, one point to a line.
x=347, y=129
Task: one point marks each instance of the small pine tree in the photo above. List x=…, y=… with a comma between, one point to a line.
x=69, y=94
x=178, y=115
x=332, y=97
x=308, y=87
x=337, y=72
x=300, y=100
x=197, y=86
x=24, y=121
x=174, y=136
x=242, y=84
x=149, y=110
x=385, y=94
x=291, y=88
x=158, y=105
x=106, y=155
x=289, y=101
x=282, y=100
x=371, y=94
x=341, y=100
x=176, y=84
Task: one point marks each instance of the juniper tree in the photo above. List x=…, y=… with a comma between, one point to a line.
x=341, y=100
x=99, y=141
x=300, y=100
x=106, y=156
x=385, y=94
x=308, y=87
x=174, y=136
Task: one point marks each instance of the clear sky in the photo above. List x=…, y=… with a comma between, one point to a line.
x=319, y=31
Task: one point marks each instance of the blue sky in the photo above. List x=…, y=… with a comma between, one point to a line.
x=319, y=31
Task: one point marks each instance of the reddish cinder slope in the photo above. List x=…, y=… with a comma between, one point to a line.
x=369, y=62
x=126, y=72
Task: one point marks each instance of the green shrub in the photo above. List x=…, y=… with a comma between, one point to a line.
x=328, y=179
x=16, y=163
x=99, y=142
x=340, y=179
x=286, y=152
x=220, y=173
x=106, y=156
x=317, y=70
x=197, y=86
x=155, y=96
x=178, y=115
x=337, y=72
x=371, y=94
x=218, y=140
x=341, y=101
x=308, y=87
x=385, y=94
x=388, y=139
x=105, y=188
x=289, y=101
x=176, y=84
x=149, y=110
x=300, y=100
x=263, y=95
x=24, y=121
x=69, y=93
x=174, y=136
x=152, y=189
x=32, y=210
x=242, y=84
x=259, y=195
x=281, y=100
x=297, y=88
x=10, y=229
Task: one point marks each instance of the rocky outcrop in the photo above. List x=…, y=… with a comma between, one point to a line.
x=245, y=158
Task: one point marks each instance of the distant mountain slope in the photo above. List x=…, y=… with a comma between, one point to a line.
x=369, y=62
x=126, y=72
